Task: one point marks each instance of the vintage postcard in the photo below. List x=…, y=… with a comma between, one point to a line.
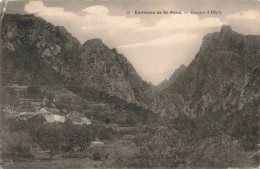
x=129, y=84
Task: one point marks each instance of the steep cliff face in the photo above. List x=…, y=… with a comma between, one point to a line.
x=106, y=66
x=223, y=78
x=36, y=52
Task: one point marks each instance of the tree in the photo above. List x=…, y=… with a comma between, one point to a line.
x=16, y=144
x=77, y=136
x=220, y=151
x=49, y=136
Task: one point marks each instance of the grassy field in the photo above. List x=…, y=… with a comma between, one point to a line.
x=66, y=163
x=42, y=161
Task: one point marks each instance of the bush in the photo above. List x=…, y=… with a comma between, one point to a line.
x=160, y=148
x=166, y=147
x=106, y=134
x=49, y=137
x=123, y=155
x=16, y=144
x=221, y=151
x=98, y=153
x=62, y=137
x=96, y=156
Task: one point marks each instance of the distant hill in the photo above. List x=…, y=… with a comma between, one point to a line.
x=167, y=82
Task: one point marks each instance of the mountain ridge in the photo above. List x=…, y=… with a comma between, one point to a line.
x=52, y=55
x=167, y=82
x=222, y=64
x=226, y=63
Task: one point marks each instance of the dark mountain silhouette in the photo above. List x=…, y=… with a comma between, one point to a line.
x=36, y=52
x=167, y=82
x=223, y=77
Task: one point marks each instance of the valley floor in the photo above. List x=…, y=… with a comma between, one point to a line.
x=69, y=163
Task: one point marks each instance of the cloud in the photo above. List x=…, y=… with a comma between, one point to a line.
x=92, y=22
x=186, y=22
x=34, y=7
x=96, y=10
x=181, y=37
x=56, y=15
x=245, y=15
x=178, y=29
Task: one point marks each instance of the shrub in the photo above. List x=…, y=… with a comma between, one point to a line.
x=16, y=144
x=106, y=133
x=123, y=155
x=98, y=153
x=221, y=151
x=167, y=147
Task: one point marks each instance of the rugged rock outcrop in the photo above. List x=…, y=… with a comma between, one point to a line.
x=36, y=52
x=223, y=78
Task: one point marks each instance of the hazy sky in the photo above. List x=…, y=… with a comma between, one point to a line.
x=156, y=44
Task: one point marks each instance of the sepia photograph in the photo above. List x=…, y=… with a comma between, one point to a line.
x=129, y=84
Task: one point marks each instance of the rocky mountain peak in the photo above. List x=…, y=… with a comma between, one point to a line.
x=94, y=43
x=226, y=39
x=225, y=29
